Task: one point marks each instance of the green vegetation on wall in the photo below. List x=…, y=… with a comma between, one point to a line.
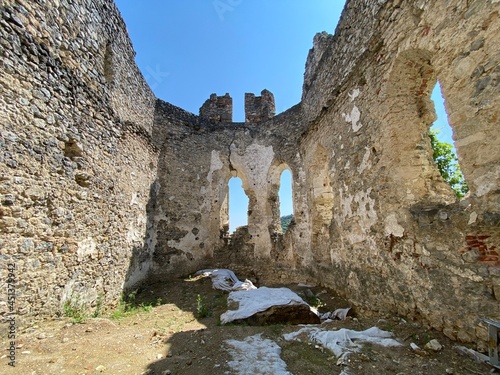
x=447, y=162
x=285, y=222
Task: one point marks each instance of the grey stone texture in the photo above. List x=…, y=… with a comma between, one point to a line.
x=218, y=108
x=259, y=108
x=103, y=186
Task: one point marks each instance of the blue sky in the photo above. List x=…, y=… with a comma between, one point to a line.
x=190, y=49
x=441, y=124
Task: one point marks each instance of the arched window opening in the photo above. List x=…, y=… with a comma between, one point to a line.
x=286, y=200
x=238, y=205
x=444, y=152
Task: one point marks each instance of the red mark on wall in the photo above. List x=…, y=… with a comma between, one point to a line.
x=486, y=251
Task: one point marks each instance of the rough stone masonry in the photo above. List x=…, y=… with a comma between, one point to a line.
x=103, y=186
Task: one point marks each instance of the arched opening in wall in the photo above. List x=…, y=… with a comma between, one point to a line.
x=444, y=152
x=238, y=205
x=410, y=114
x=286, y=200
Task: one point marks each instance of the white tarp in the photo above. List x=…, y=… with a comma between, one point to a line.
x=337, y=314
x=224, y=279
x=258, y=300
x=344, y=340
x=256, y=356
x=265, y=298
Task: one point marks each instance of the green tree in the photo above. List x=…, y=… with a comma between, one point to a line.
x=285, y=222
x=447, y=162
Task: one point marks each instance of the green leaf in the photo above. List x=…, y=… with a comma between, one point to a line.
x=447, y=162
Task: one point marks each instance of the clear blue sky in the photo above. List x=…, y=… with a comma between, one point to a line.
x=441, y=124
x=188, y=49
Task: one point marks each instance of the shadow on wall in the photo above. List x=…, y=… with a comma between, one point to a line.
x=142, y=254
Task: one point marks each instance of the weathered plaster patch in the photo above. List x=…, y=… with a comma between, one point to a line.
x=355, y=93
x=136, y=229
x=190, y=242
x=86, y=247
x=392, y=226
x=345, y=205
x=255, y=162
x=207, y=191
x=364, y=163
x=361, y=207
x=134, y=201
x=215, y=164
x=487, y=182
x=353, y=118
x=472, y=218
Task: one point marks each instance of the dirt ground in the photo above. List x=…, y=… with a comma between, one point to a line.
x=172, y=338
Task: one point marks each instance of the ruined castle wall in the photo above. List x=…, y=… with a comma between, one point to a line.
x=77, y=161
x=102, y=184
x=385, y=229
x=198, y=158
x=374, y=218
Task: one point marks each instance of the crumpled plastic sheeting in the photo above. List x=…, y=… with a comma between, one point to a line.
x=337, y=314
x=253, y=301
x=344, y=340
x=224, y=279
x=256, y=356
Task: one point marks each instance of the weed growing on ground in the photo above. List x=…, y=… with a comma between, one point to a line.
x=314, y=301
x=98, y=306
x=75, y=309
x=201, y=308
x=127, y=306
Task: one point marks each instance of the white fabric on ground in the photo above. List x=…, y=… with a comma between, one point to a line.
x=344, y=340
x=337, y=314
x=224, y=279
x=256, y=356
x=257, y=300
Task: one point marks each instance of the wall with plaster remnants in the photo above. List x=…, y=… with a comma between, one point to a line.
x=76, y=156
x=112, y=190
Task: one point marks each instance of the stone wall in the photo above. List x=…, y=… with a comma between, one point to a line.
x=373, y=218
x=77, y=160
x=259, y=108
x=218, y=108
x=103, y=185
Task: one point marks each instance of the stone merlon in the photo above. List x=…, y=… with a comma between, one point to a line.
x=218, y=108
x=259, y=108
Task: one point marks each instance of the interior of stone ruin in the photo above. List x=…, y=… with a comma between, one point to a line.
x=105, y=187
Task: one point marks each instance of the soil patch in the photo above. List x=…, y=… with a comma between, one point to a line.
x=181, y=334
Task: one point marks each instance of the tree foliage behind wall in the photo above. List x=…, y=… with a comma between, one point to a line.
x=285, y=222
x=447, y=162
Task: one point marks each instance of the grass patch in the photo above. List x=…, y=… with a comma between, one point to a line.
x=128, y=306
x=314, y=301
x=75, y=309
x=98, y=306
x=202, y=310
